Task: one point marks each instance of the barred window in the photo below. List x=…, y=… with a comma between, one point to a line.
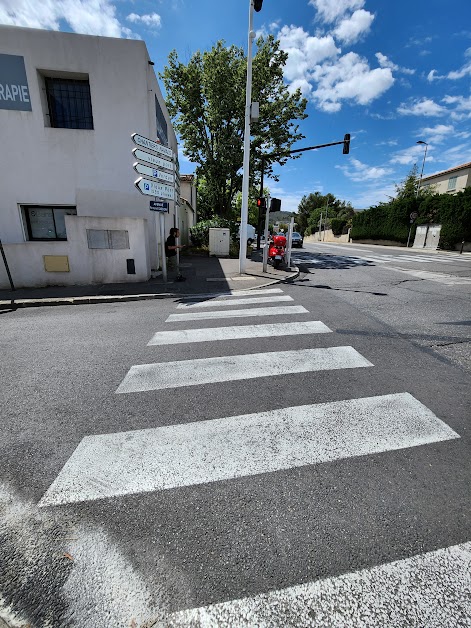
x=69, y=102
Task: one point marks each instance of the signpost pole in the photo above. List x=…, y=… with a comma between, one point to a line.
x=162, y=245
x=290, y=242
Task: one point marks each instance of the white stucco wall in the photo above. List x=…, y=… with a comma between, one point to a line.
x=87, y=266
x=89, y=169
x=439, y=182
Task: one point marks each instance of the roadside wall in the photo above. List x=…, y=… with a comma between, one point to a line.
x=327, y=236
x=86, y=265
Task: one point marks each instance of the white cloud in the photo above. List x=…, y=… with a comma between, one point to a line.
x=411, y=155
x=385, y=62
x=351, y=28
x=332, y=10
x=424, y=107
x=456, y=155
x=89, y=17
x=462, y=104
x=313, y=65
x=437, y=134
x=149, y=20
x=350, y=78
x=358, y=171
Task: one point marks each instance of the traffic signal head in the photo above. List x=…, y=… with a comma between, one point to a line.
x=257, y=5
x=261, y=202
x=346, y=143
x=275, y=205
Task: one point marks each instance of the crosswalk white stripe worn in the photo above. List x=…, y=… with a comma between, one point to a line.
x=270, y=330
x=232, y=293
x=431, y=589
x=450, y=280
x=208, y=451
x=232, y=302
x=281, y=310
x=165, y=375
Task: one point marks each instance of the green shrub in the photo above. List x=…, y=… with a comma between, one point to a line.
x=199, y=233
x=337, y=225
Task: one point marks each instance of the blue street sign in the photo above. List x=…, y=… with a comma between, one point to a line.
x=158, y=206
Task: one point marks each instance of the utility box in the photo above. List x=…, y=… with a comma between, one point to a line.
x=219, y=240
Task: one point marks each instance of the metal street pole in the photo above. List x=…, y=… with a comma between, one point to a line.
x=423, y=164
x=245, y=179
x=7, y=269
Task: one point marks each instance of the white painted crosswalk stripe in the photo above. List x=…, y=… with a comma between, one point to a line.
x=272, y=330
x=431, y=589
x=208, y=451
x=450, y=280
x=281, y=310
x=165, y=375
x=231, y=293
x=232, y=302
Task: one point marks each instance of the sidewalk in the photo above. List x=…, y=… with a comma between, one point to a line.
x=203, y=275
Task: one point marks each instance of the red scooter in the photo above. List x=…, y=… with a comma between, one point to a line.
x=277, y=250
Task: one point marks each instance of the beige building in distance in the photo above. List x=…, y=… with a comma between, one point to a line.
x=449, y=181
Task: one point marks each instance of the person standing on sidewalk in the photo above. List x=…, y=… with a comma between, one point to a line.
x=171, y=247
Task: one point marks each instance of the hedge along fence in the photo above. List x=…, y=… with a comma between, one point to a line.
x=199, y=233
x=391, y=221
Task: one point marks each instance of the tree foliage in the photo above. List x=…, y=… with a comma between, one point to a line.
x=313, y=205
x=206, y=100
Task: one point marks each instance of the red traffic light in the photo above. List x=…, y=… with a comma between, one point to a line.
x=261, y=202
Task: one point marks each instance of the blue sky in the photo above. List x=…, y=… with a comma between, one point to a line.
x=389, y=73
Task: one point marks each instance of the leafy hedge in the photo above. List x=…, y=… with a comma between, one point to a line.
x=199, y=234
x=391, y=221
x=338, y=225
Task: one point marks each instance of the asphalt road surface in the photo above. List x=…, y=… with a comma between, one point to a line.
x=298, y=455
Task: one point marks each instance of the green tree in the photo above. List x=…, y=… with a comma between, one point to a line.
x=313, y=205
x=206, y=100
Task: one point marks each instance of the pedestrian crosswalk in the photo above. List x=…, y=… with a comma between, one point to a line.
x=218, y=450
x=321, y=259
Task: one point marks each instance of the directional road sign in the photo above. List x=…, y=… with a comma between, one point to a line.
x=148, y=171
x=145, y=142
x=153, y=159
x=158, y=206
x=154, y=188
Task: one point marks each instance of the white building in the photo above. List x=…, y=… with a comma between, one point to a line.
x=69, y=210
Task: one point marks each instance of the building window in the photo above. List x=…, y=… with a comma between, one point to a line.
x=452, y=183
x=46, y=223
x=161, y=123
x=69, y=102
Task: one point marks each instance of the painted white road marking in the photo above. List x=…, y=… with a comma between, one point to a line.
x=163, y=375
x=232, y=302
x=449, y=280
x=209, y=451
x=231, y=293
x=432, y=589
x=270, y=330
x=282, y=310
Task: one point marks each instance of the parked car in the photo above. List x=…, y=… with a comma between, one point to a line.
x=297, y=240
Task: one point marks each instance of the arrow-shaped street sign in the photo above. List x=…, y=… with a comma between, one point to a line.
x=148, y=171
x=153, y=159
x=145, y=142
x=154, y=188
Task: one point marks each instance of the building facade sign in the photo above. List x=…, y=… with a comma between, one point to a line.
x=14, y=90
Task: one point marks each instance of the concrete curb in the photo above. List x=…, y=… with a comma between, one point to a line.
x=15, y=304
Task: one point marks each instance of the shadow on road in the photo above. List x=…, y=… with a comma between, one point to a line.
x=327, y=262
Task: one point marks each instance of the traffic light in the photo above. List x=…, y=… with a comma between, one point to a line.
x=257, y=5
x=275, y=205
x=346, y=143
x=261, y=203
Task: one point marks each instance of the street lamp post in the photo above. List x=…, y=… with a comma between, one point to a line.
x=414, y=215
x=423, y=164
x=245, y=179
